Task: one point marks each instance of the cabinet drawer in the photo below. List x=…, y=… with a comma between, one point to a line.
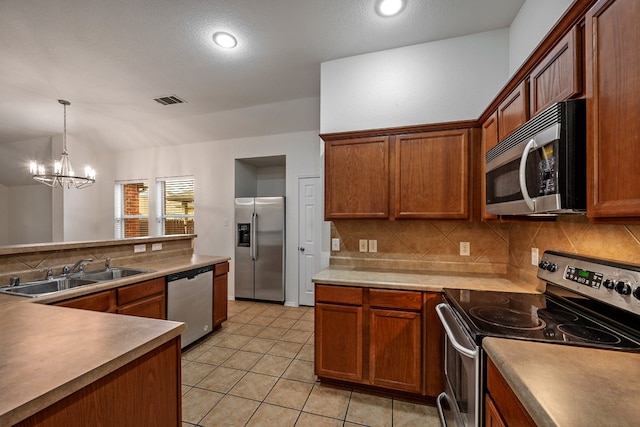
x=220, y=269
x=100, y=301
x=131, y=293
x=339, y=294
x=404, y=300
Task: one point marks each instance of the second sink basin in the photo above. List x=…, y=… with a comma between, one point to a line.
x=112, y=274
x=33, y=289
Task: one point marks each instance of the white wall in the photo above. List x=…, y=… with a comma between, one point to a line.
x=447, y=80
x=25, y=220
x=212, y=164
x=531, y=24
x=4, y=215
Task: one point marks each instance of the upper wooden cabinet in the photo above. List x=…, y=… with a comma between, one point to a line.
x=513, y=111
x=430, y=174
x=559, y=75
x=357, y=178
x=421, y=174
x=613, y=103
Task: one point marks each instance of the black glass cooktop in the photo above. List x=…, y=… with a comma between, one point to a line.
x=534, y=317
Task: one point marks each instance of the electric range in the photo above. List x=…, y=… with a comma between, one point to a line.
x=588, y=302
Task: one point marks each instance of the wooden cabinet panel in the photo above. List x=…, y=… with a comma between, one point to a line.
x=558, y=76
x=100, y=301
x=433, y=346
x=220, y=299
x=489, y=140
x=339, y=294
x=613, y=102
x=513, y=111
x=430, y=175
x=492, y=417
x=127, y=294
x=338, y=342
x=146, y=392
x=153, y=307
x=357, y=178
x=506, y=402
x=395, y=349
x=403, y=300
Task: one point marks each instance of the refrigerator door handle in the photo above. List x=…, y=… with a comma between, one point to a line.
x=254, y=236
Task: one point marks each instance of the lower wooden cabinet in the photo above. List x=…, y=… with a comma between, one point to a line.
x=145, y=392
x=502, y=407
x=220, y=293
x=378, y=337
x=144, y=299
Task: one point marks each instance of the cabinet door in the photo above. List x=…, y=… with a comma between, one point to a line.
x=219, y=300
x=338, y=341
x=506, y=402
x=513, y=111
x=489, y=140
x=558, y=76
x=492, y=417
x=100, y=301
x=395, y=349
x=613, y=102
x=430, y=173
x=357, y=178
x=153, y=307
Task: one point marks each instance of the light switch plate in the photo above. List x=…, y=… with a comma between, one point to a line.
x=139, y=248
x=534, y=256
x=373, y=246
x=363, y=245
x=335, y=244
x=465, y=249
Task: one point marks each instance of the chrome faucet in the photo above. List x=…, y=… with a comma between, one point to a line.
x=107, y=263
x=49, y=273
x=79, y=265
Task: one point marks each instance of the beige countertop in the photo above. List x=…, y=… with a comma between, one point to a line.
x=566, y=386
x=48, y=352
x=418, y=280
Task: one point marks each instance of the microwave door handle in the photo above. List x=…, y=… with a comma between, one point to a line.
x=440, y=310
x=521, y=176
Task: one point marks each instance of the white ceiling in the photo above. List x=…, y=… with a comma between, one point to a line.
x=110, y=58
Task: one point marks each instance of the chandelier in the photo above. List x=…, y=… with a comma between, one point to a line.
x=63, y=175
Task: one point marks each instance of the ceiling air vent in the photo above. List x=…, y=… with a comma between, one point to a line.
x=169, y=100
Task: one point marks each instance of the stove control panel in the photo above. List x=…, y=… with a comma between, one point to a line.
x=611, y=282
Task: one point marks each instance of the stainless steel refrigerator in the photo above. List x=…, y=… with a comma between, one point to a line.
x=259, y=254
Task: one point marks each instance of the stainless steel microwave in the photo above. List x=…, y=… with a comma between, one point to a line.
x=540, y=168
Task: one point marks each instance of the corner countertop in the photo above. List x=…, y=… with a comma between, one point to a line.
x=433, y=281
x=566, y=386
x=49, y=352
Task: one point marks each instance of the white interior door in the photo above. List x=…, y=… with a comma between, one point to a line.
x=309, y=235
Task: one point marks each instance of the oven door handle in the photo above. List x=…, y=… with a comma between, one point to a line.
x=531, y=204
x=443, y=311
x=439, y=405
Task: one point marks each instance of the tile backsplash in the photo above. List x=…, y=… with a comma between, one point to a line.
x=496, y=247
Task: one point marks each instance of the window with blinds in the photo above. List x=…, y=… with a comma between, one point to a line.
x=131, y=209
x=176, y=208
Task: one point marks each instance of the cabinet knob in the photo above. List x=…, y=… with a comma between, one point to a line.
x=301, y=249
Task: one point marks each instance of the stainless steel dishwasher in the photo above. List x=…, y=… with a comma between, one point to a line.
x=190, y=300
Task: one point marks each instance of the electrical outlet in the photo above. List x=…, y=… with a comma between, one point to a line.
x=534, y=256
x=139, y=248
x=335, y=244
x=373, y=246
x=156, y=247
x=465, y=249
x=363, y=245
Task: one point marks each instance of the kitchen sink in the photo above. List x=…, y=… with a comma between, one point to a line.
x=43, y=287
x=111, y=274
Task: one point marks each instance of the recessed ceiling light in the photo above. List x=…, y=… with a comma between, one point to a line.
x=225, y=40
x=388, y=8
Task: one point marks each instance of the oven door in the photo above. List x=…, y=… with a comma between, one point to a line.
x=460, y=404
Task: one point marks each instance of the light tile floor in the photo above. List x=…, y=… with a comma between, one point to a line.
x=258, y=371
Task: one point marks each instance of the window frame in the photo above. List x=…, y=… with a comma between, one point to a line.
x=161, y=215
x=119, y=207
